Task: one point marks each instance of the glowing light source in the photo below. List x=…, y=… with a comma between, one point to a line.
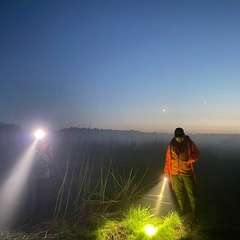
x=150, y=230
x=39, y=134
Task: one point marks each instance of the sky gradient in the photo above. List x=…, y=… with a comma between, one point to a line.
x=125, y=65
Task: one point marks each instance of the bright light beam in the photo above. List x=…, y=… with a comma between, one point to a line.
x=161, y=195
x=12, y=188
x=159, y=198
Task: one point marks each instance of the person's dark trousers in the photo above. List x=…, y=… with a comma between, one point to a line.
x=37, y=196
x=181, y=184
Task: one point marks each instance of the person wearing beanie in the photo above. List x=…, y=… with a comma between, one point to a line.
x=181, y=153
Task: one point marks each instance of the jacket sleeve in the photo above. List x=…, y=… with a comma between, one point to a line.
x=168, y=160
x=194, y=154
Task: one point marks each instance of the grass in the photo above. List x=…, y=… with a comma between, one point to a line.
x=132, y=226
x=102, y=181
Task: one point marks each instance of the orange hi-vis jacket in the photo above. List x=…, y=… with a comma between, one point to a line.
x=180, y=157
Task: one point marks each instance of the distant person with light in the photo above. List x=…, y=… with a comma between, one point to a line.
x=181, y=153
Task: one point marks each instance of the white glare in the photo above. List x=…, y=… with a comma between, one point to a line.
x=39, y=134
x=13, y=186
x=150, y=230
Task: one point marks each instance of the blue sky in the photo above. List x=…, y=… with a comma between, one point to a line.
x=141, y=65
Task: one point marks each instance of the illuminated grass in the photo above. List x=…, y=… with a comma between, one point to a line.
x=132, y=226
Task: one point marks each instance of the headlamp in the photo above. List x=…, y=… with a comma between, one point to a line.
x=39, y=134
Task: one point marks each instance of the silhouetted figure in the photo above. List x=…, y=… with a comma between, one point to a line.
x=181, y=153
x=39, y=181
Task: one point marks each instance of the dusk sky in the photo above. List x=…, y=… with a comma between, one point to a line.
x=121, y=64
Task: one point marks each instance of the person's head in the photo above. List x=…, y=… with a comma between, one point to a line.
x=43, y=147
x=179, y=134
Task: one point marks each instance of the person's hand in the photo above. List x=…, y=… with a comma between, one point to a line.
x=166, y=176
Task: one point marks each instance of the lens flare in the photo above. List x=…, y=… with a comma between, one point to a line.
x=150, y=230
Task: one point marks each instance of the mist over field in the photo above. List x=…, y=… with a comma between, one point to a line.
x=76, y=149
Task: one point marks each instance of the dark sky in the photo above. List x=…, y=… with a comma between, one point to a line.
x=142, y=65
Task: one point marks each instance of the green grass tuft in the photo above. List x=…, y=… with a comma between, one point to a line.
x=132, y=226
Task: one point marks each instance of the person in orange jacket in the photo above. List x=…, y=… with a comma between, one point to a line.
x=181, y=153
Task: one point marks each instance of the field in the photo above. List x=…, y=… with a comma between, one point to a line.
x=101, y=174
